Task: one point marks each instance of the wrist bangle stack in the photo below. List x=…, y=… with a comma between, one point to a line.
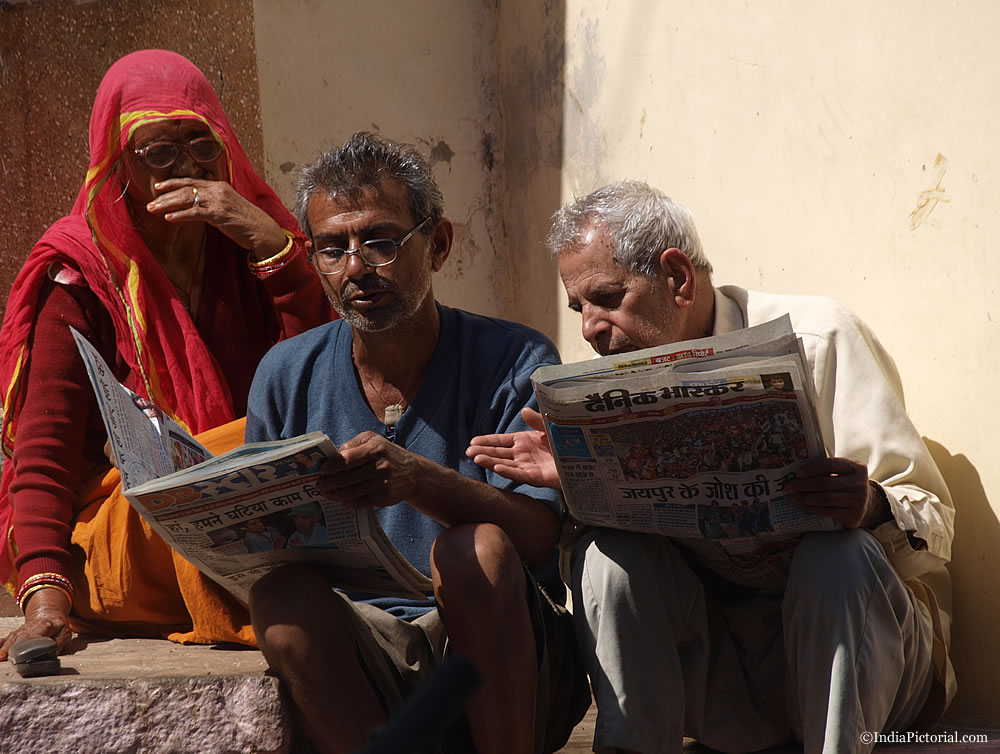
x=40, y=581
x=267, y=266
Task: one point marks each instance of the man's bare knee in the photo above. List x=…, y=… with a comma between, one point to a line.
x=479, y=576
x=293, y=606
x=286, y=591
x=477, y=559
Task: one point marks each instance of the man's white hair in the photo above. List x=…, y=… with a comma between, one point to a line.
x=642, y=221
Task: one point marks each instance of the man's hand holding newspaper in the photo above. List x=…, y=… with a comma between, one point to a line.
x=839, y=488
x=715, y=443
x=238, y=515
x=833, y=487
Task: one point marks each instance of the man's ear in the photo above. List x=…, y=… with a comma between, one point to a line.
x=677, y=270
x=441, y=240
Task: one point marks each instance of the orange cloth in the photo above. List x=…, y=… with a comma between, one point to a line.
x=128, y=582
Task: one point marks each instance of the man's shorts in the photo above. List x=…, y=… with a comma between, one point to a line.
x=398, y=655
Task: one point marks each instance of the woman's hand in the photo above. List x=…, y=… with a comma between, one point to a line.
x=523, y=457
x=47, y=615
x=219, y=205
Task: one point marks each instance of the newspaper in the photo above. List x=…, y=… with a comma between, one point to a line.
x=238, y=515
x=693, y=440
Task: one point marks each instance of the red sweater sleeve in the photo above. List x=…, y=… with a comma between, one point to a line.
x=299, y=300
x=60, y=437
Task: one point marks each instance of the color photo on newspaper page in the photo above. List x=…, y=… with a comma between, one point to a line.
x=693, y=439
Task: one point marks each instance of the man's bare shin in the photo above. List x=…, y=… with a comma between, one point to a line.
x=303, y=629
x=488, y=622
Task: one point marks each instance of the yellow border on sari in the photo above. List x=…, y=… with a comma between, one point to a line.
x=96, y=178
x=11, y=584
x=8, y=403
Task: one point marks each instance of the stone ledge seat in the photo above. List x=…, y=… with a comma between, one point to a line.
x=144, y=695
x=150, y=696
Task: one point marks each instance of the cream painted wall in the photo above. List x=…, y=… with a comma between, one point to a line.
x=423, y=73
x=806, y=138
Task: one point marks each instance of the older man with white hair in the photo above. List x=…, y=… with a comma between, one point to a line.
x=851, y=638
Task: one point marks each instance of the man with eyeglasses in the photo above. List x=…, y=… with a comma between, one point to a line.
x=829, y=637
x=402, y=383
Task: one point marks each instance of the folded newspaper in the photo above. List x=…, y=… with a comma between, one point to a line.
x=238, y=515
x=693, y=440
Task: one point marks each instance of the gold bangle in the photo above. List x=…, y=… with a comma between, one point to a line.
x=57, y=579
x=23, y=602
x=279, y=257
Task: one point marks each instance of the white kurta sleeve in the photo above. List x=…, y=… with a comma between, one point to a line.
x=863, y=417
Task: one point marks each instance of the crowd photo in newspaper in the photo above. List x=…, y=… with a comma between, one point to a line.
x=692, y=440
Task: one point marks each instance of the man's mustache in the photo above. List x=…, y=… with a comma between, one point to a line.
x=367, y=284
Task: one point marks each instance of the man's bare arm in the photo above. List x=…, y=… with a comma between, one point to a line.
x=372, y=471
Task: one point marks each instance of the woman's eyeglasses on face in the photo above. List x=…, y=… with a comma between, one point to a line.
x=377, y=252
x=163, y=154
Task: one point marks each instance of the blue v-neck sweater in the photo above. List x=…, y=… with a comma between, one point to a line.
x=476, y=383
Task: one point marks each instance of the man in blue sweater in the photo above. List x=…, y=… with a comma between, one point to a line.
x=401, y=384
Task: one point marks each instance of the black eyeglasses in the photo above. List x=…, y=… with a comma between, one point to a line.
x=163, y=154
x=377, y=252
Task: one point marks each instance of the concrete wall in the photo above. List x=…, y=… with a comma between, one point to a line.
x=839, y=152
x=845, y=150
x=531, y=41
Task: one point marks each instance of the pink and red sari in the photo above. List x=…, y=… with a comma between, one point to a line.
x=171, y=362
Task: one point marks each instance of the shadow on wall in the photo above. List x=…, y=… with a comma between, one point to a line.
x=532, y=82
x=976, y=612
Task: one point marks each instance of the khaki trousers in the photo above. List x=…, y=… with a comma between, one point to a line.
x=672, y=652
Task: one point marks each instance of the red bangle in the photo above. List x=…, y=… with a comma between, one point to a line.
x=39, y=581
x=265, y=267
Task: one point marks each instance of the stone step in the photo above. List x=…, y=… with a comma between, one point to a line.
x=8, y=608
x=144, y=695
x=147, y=696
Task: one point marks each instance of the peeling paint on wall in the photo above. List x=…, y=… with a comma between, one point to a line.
x=488, y=151
x=441, y=153
x=929, y=199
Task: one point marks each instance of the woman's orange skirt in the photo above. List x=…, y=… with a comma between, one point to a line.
x=128, y=582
